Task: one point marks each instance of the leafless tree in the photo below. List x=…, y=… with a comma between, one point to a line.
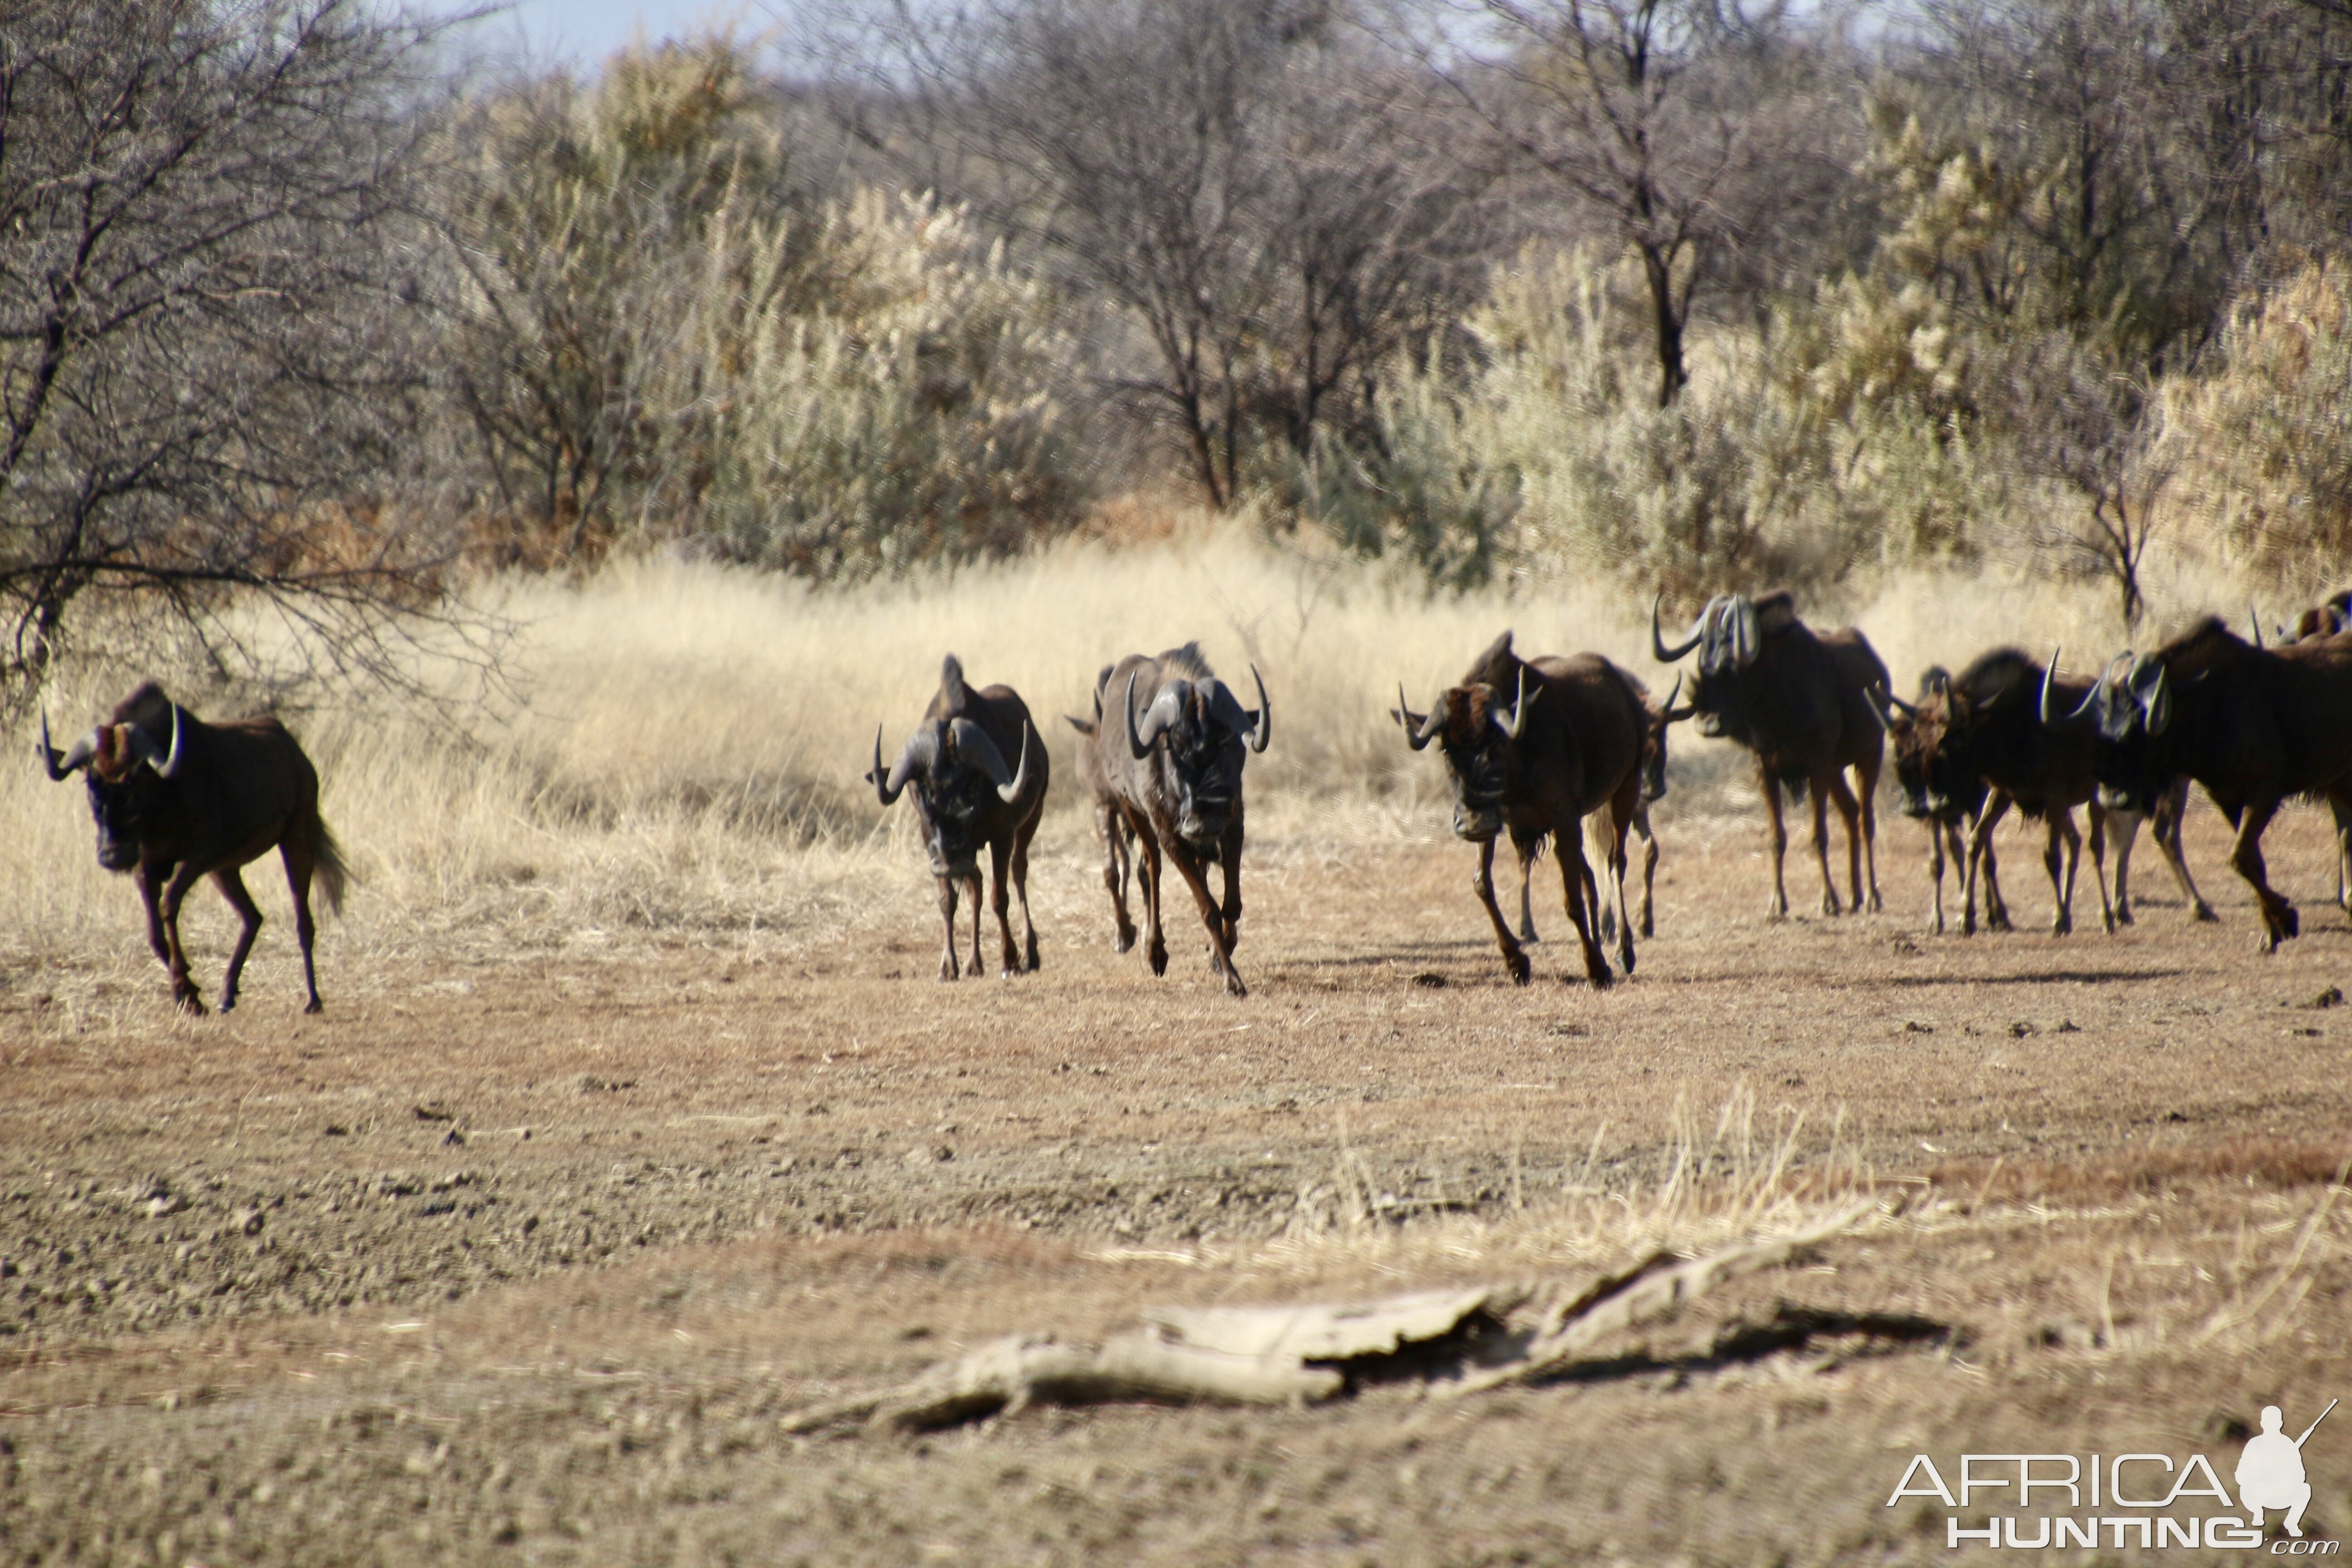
x=2083, y=422
x=207, y=382
x=1657, y=116
x=1245, y=184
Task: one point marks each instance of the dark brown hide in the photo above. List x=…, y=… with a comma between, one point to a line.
x=1169, y=750
x=1799, y=701
x=1533, y=747
x=2256, y=727
x=1110, y=823
x=176, y=799
x=979, y=770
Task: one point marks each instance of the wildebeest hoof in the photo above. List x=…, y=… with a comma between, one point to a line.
x=1159, y=960
x=1125, y=942
x=1521, y=970
x=2290, y=922
x=189, y=1002
x=2203, y=913
x=1602, y=979
x=2062, y=925
x=1647, y=933
x=315, y=1005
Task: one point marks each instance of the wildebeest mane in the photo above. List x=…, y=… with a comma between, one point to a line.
x=2002, y=673
x=1186, y=661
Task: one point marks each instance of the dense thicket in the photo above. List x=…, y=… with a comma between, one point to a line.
x=1684, y=292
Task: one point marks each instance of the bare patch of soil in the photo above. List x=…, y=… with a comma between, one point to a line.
x=528, y=1252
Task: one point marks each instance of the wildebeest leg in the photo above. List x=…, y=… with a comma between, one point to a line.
x=979, y=966
x=1000, y=855
x=1649, y=869
x=1850, y=813
x=1117, y=858
x=1528, y=850
x=1196, y=877
x=294, y=851
x=1937, y=832
x=2123, y=831
x=1229, y=855
x=2170, y=811
x=1778, y=908
x=2062, y=852
x=1820, y=788
x=2340, y=806
x=1155, y=941
x=949, y=969
x=1865, y=776
x=232, y=887
x=1515, y=957
x=1996, y=807
x=1021, y=837
x=1623, y=811
x=2279, y=920
x=184, y=989
x=1575, y=876
x=2098, y=834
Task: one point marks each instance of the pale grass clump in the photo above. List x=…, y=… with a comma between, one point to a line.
x=683, y=746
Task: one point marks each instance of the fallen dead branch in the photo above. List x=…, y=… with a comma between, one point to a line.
x=1460, y=1340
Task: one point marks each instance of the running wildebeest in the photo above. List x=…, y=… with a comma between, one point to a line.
x=1533, y=747
x=966, y=797
x=1110, y=823
x=1174, y=767
x=1653, y=789
x=2255, y=726
x=176, y=799
x=1799, y=699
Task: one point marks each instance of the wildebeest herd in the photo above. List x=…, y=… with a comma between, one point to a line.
x=1535, y=749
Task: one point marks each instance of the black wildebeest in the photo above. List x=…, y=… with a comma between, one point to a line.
x=2255, y=726
x=1653, y=789
x=1174, y=767
x=1980, y=733
x=1797, y=700
x=177, y=799
x=965, y=796
x=1944, y=801
x=1533, y=747
x=1110, y=823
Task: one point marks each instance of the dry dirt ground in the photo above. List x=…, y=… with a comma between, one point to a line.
x=526, y=1254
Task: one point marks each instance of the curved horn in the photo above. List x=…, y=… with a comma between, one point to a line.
x=974, y=746
x=62, y=768
x=1137, y=746
x=1670, y=714
x=2156, y=702
x=921, y=750
x=1414, y=725
x=1167, y=706
x=2050, y=719
x=165, y=764
x=1657, y=640
x=1010, y=791
x=1262, y=722
x=1510, y=727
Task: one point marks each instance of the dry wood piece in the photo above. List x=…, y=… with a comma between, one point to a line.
x=1281, y=1355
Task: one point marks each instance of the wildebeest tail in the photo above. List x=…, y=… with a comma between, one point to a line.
x=328, y=865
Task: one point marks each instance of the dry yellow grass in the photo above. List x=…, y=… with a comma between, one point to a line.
x=683, y=748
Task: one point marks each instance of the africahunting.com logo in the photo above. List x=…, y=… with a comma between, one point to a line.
x=2127, y=1499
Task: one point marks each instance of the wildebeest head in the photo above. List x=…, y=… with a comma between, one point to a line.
x=1930, y=738
x=1479, y=735
x=1653, y=748
x=1729, y=637
x=125, y=766
x=953, y=767
x=2130, y=706
x=1198, y=727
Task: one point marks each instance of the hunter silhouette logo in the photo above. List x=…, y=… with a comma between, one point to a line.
x=2040, y=1501
x=2269, y=1472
